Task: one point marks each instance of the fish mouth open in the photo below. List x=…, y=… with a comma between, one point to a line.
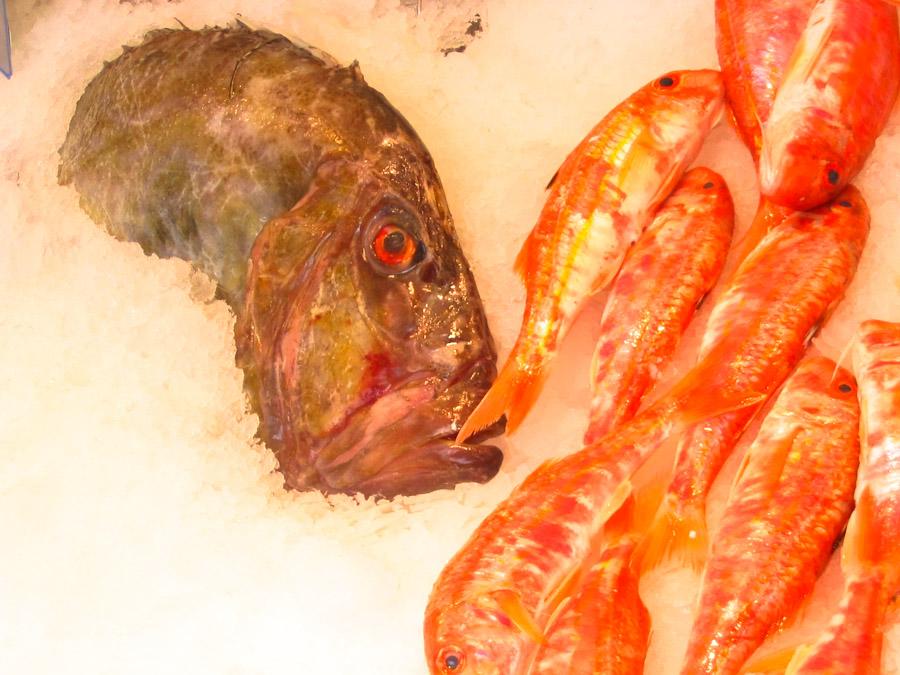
x=404, y=443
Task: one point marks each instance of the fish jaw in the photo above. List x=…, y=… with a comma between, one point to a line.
x=403, y=442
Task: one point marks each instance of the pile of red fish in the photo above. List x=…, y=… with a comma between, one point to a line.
x=548, y=583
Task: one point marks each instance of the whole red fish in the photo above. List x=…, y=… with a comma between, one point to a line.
x=852, y=643
x=600, y=200
x=603, y=628
x=791, y=499
x=684, y=248
x=833, y=102
x=769, y=312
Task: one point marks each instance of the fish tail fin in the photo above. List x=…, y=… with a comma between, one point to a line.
x=514, y=392
x=678, y=533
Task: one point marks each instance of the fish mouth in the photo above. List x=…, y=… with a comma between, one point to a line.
x=404, y=442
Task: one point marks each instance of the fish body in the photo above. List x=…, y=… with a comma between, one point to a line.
x=833, y=102
x=790, y=500
x=684, y=249
x=319, y=213
x=775, y=302
x=603, y=628
x=600, y=200
x=755, y=40
x=852, y=642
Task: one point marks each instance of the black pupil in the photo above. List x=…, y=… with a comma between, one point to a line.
x=833, y=176
x=395, y=242
x=708, y=185
x=452, y=661
x=845, y=203
x=846, y=388
x=666, y=82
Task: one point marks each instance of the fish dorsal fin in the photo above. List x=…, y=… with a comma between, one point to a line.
x=523, y=259
x=511, y=604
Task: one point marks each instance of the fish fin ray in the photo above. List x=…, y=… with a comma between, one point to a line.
x=860, y=548
x=678, y=533
x=511, y=604
x=776, y=662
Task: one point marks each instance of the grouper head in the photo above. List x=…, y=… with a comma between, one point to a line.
x=363, y=338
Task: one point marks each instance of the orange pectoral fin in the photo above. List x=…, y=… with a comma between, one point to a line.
x=777, y=663
x=511, y=604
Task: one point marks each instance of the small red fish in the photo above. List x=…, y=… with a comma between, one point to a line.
x=773, y=306
x=852, y=643
x=790, y=500
x=600, y=200
x=604, y=627
x=684, y=248
x=833, y=102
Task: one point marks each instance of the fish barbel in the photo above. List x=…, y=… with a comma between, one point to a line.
x=683, y=248
x=603, y=628
x=852, y=643
x=774, y=304
x=833, y=102
x=600, y=200
x=754, y=41
x=790, y=500
x=318, y=212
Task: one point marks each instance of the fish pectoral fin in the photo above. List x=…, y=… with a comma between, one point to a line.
x=511, y=604
x=777, y=662
x=777, y=459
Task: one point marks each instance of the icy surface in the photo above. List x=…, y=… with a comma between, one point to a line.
x=143, y=528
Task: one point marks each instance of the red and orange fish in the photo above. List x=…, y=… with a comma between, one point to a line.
x=684, y=249
x=852, y=643
x=833, y=102
x=777, y=299
x=790, y=500
x=600, y=200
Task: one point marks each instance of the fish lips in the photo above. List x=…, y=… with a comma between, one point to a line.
x=404, y=443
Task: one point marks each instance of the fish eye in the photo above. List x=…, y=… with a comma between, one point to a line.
x=451, y=660
x=845, y=203
x=668, y=81
x=832, y=175
x=393, y=248
x=845, y=387
x=707, y=185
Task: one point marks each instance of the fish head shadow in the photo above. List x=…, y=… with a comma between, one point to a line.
x=363, y=339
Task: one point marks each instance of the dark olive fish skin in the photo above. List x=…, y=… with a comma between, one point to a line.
x=318, y=211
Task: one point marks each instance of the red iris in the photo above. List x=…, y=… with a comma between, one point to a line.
x=394, y=247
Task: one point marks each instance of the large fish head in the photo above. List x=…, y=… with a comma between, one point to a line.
x=364, y=341
x=802, y=164
x=474, y=637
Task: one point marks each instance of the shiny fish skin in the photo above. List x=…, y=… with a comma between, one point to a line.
x=773, y=305
x=852, y=643
x=273, y=169
x=684, y=248
x=790, y=500
x=604, y=627
x=600, y=200
x=754, y=41
x=833, y=102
